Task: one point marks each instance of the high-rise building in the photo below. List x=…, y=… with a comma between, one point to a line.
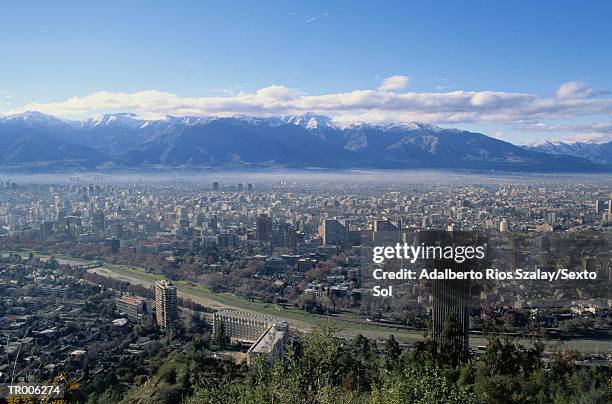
x=213, y=222
x=451, y=297
x=504, y=225
x=598, y=206
x=166, y=311
x=99, y=222
x=116, y=231
x=264, y=227
x=215, y=186
x=384, y=225
x=283, y=236
x=333, y=232
x=226, y=240
x=385, y=231
x=46, y=229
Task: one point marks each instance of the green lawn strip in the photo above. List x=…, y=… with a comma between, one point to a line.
x=135, y=272
x=46, y=254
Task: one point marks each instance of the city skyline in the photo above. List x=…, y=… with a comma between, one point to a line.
x=305, y=202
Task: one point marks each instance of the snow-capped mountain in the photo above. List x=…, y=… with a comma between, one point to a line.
x=600, y=153
x=301, y=141
x=117, y=120
x=308, y=121
x=34, y=119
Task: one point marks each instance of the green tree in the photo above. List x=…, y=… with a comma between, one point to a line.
x=423, y=385
x=220, y=339
x=451, y=342
x=392, y=354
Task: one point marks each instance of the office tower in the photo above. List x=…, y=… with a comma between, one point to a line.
x=116, y=231
x=333, y=232
x=183, y=226
x=291, y=238
x=213, y=222
x=114, y=244
x=610, y=206
x=166, y=312
x=283, y=236
x=198, y=220
x=306, y=264
x=73, y=225
x=264, y=227
x=250, y=187
x=99, y=222
x=451, y=298
x=240, y=186
x=386, y=232
x=598, y=206
x=385, y=225
x=46, y=229
x=226, y=240
x=504, y=225
x=215, y=186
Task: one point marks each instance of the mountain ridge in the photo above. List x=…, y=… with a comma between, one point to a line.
x=597, y=152
x=122, y=140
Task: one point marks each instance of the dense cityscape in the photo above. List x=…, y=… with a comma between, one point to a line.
x=104, y=281
x=308, y=202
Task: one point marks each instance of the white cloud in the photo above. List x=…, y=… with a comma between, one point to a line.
x=594, y=132
x=484, y=98
x=394, y=83
x=593, y=127
x=380, y=105
x=574, y=89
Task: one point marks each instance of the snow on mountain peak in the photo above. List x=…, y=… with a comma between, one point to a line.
x=33, y=118
x=307, y=120
x=127, y=119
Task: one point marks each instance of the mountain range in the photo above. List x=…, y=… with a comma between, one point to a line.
x=600, y=153
x=36, y=141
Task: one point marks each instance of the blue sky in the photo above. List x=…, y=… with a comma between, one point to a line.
x=331, y=57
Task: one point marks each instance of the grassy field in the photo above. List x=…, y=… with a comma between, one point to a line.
x=231, y=300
